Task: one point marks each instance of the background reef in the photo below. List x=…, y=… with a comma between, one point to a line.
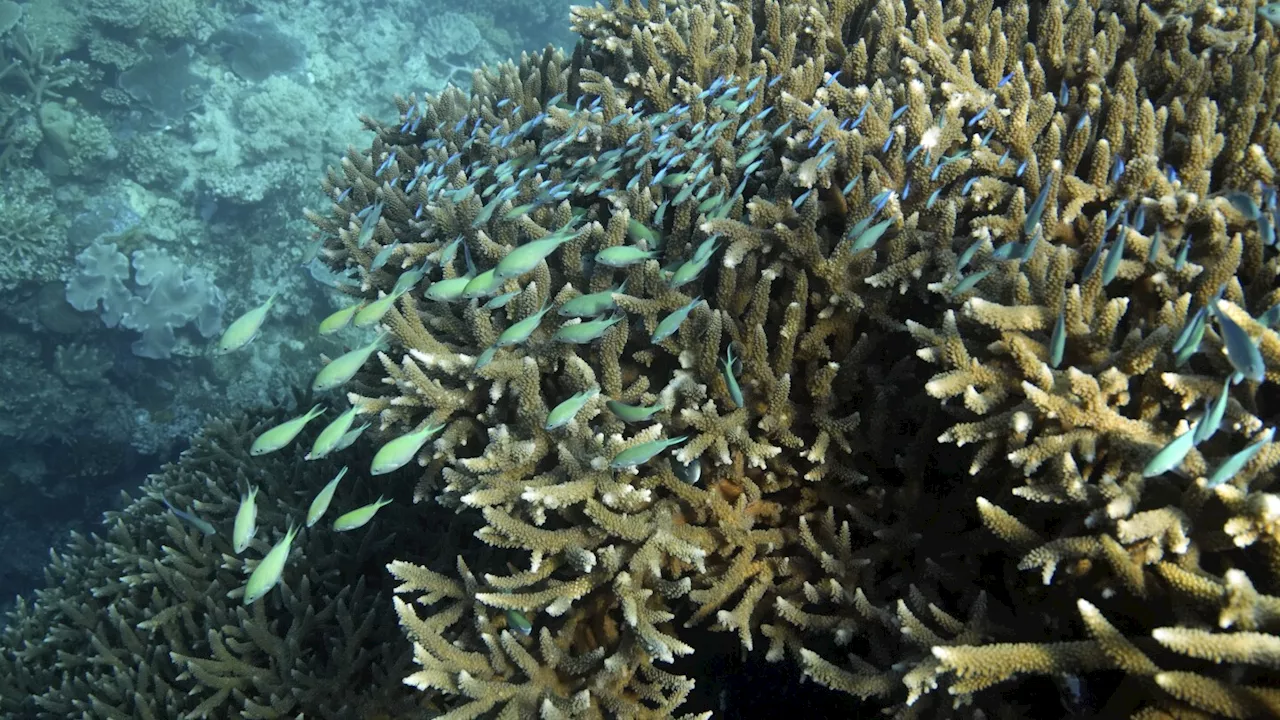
x=925, y=350
x=153, y=157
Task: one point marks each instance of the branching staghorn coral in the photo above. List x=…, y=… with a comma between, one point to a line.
x=1038, y=204
x=929, y=348
x=147, y=621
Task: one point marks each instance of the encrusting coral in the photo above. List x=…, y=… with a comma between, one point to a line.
x=146, y=620
x=926, y=347
x=1040, y=200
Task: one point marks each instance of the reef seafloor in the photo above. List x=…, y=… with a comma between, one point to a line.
x=889, y=359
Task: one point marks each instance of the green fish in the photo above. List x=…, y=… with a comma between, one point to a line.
x=1271, y=13
x=1058, y=340
x=345, y=366
x=731, y=380
x=521, y=330
x=585, y=332
x=500, y=301
x=592, y=305
x=669, y=324
x=484, y=284
x=526, y=257
x=359, y=517
x=383, y=256
x=321, y=502
x=372, y=313
x=633, y=413
x=867, y=238
x=1212, y=419
x=563, y=413
x=448, y=290
x=1242, y=350
x=284, y=433
x=327, y=441
x=350, y=437
x=339, y=319
x=621, y=256
x=688, y=271
x=517, y=621
x=1171, y=455
x=639, y=232
x=267, y=573
x=1236, y=462
x=410, y=278
x=643, y=452
x=369, y=225
x=246, y=524
x=398, y=452
x=244, y=328
x=969, y=282
x=486, y=357
x=198, y=523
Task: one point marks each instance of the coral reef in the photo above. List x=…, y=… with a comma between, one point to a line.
x=161, y=296
x=832, y=219
x=145, y=620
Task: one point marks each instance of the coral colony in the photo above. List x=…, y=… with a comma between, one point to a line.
x=929, y=348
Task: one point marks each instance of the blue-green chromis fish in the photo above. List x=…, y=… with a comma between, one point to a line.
x=633, y=413
x=687, y=272
x=245, y=328
x=246, y=524
x=643, y=452
x=1037, y=207
x=284, y=433
x=482, y=285
x=731, y=380
x=350, y=437
x=383, y=256
x=591, y=305
x=327, y=441
x=1271, y=13
x=521, y=330
x=563, y=413
x=639, y=232
x=267, y=573
x=1236, y=462
x=1212, y=419
x=1058, y=340
x=517, y=621
x=359, y=517
x=345, y=366
x=621, y=256
x=448, y=290
x=669, y=324
x=1171, y=455
x=501, y=301
x=198, y=523
x=868, y=238
x=373, y=313
x=1242, y=351
x=321, y=502
x=526, y=257
x=398, y=452
x=486, y=357
x=368, y=225
x=339, y=319
x=585, y=332
x=969, y=282
x=410, y=278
